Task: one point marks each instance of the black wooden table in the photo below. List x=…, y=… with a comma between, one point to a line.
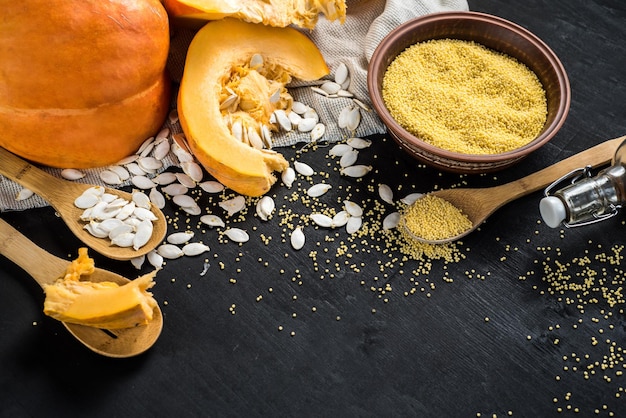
x=347, y=326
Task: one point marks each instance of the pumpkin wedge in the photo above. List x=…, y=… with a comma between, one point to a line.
x=218, y=65
x=279, y=13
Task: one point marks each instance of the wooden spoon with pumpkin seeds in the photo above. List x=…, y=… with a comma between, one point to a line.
x=61, y=195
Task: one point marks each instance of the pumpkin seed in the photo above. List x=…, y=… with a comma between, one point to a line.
x=72, y=174
x=264, y=207
x=143, y=233
x=340, y=219
x=110, y=177
x=195, y=248
x=283, y=120
x=180, y=237
x=86, y=200
x=193, y=170
x=185, y=179
x=275, y=97
x=192, y=210
x=157, y=198
x=385, y=193
x=339, y=150
x=237, y=130
x=123, y=240
x=345, y=93
x=184, y=201
x=307, y=124
x=137, y=262
x=411, y=198
x=266, y=136
x=356, y=170
x=256, y=61
x=172, y=117
x=318, y=132
x=135, y=169
x=322, y=220
x=341, y=73
x=237, y=235
x=141, y=199
x=128, y=160
x=169, y=251
x=318, y=189
x=175, y=189
x=303, y=168
x=353, y=209
x=311, y=114
x=119, y=230
x=299, y=107
x=330, y=87
x=94, y=229
x=142, y=182
x=212, y=220
x=163, y=133
x=354, y=224
x=362, y=105
x=126, y=211
x=146, y=144
x=212, y=186
x=162, y=149
x=24, y=194
x=155, y=259
x=144, y=214
x=319, y=91
x=358, y=143
x=391, y=220
x=297, y=238
x=109, y=225
x=349, y=158
x=234, y=205
x=288, y=176
x=254, y=138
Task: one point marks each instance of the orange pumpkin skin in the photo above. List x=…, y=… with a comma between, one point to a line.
x=82, y=84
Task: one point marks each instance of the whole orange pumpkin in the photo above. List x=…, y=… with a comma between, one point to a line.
x=82, y=83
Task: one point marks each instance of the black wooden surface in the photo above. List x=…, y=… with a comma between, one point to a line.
x=493, y=341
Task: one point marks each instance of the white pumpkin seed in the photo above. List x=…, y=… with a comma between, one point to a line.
x=306, y=125
x=164, y=178
x=193, y=170
x=362, y=105
x=123, y=240
x=24, y=194
x=349, y=158
x=172, y=117
x=149, y=164
x=303, y=168
x=72, y=174
x=162, y=149
x=122, y=173
x=144, y=214
x=155, y=259
x=266, y=136
x=340, y=219
x=135, y=170
x=264, y=207
x=127, y=210
x=145, y=145
x=297, y=238
x=178, y=238
x=143, y=182
x=339, y=150
x=275, y=97
x=128, y=160
x=345, y=93
x=185, y=179
x=192, y=210
x=283, y=120
x=195, y=248
x=353, y=208
x=341, y=73
x=234, y=205
x=184, y=201
x=86, y=200
x=318, y=189
x=237, y=235
x=157, y=198
x=137, y=262
x=170, y=251
x=322, y=220
x=212, y=186
x=110, y=177
x=318, y=132
x=354, y=224
x=294, y=118
x=237, y=130
x=229, y=101
x=254, y=138
x=212, y=220
x=288, y=176
x=358, y=143
x=143, y=233
x=94, y=229
x=356, y=170
x=319, y=91
x=141, y=199
x=411, y=198
x=256, y=61
x=109, y=225
x=299, y=107
x=163, y=133
x=385, y=193
x=330, y=87
x=119, y=230
x=391, y=220
x=175, y=189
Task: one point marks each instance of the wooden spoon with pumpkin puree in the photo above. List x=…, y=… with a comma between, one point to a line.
x=479, y=203
x=46, y=268
x=61, y=195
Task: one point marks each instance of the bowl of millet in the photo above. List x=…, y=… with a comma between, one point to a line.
x=468, y=92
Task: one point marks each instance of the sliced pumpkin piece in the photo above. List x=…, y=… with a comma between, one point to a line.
x=102, y=304
x=235, y=76
x=279, y=13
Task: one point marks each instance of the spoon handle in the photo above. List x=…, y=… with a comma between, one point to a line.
x=33, y=178
x=44, y=267
x=596, y=156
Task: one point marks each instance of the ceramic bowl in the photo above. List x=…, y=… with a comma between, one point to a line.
x=497, y=34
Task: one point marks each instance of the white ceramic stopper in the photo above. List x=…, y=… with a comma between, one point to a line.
x=552, y=211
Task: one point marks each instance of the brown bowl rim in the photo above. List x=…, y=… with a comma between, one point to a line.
x=548, y=131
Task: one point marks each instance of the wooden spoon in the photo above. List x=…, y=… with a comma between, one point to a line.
x=46, y=268
x=479, y=203
x=61, y=194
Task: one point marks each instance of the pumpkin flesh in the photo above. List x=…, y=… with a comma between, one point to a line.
x=219, y=57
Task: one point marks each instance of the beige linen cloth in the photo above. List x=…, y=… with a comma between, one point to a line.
x=352, y=43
